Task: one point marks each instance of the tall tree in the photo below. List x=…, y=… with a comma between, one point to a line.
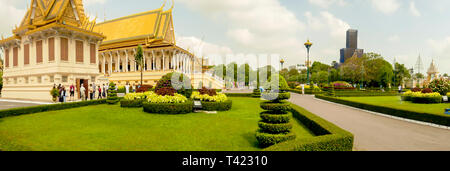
x=401, y=73
x=139, y=58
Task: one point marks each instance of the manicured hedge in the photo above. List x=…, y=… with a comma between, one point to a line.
x=276, y=96
x=271, y=106
x=329, y=137
x=265, y=139
x=277, y=128
x=46, y=108
x=168, y=108
x=131, y=103
x=217, y=106
x=275, y=118
x=426, y=100
x=414, y=115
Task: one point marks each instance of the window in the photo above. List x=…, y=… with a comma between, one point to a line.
x=93, y=79
x=26, y=54
x=64, y=49
x=39, y=79
x=93, y=54
x=65, y=79
x=79, y=51
x=51, y=49
x=26, y=80
x=7, y=57
x=15, y=56
x=39, y=51
x=52, y=79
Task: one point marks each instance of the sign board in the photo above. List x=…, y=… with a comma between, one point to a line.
x=445, y=98
x=197, y=104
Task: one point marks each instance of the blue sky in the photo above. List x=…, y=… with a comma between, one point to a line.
x=400, y=29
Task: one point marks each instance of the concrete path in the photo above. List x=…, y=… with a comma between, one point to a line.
x=377, y=133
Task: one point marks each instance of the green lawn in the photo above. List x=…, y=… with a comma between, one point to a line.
x=111, y=128
x=395, y=102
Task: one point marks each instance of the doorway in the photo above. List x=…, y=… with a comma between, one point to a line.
x=85, y=84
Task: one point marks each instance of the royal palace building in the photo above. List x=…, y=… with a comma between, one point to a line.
x=56, y=43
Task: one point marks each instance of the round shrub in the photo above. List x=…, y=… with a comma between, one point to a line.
x=182, y=83
x=217, y=106
x=407, y=96
x=441, y=86
x=427, y=90
x=416, y=90
x=278, y=128
x=275, y=118
x=276, y=96
x=168, y=108
x=282, y=107
x=266, y=140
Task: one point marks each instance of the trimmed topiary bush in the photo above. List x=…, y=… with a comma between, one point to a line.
x=256, y=93
x=217, y=106
x=275, y=126
x=112, y=94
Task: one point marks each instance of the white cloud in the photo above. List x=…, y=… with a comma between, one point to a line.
x=259, y=26
x=327, y=3
x=201, y=48
x=394, y=38
x=15, y=16
x=441, y=53
x=414, y=11
x=326, y=21
x=386, y=6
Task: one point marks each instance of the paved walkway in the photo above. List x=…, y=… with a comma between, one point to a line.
x=378, y=133
x=9, y=104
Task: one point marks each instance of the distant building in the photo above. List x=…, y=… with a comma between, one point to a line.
x=351, y=46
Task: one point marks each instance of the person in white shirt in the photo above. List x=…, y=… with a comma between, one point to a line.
x=82, y=93
x=127, y=88
x=303, y=88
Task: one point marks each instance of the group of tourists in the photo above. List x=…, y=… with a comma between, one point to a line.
x=93, y=92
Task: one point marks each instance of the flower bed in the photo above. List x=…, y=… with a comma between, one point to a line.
x=421, y=97
x=212, y=101
x=167, y=104
x=133, y=100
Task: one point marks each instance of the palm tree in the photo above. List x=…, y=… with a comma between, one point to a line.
x=139, y=58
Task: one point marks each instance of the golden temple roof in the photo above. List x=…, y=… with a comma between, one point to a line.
x=64, y=13
x=151, y=28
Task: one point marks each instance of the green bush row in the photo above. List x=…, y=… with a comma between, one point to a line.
x=426, y=100
x=266, y=140
x=168, y=108
x=217, y=106
x=414, y=115
x=281, y=107
x=329, y=137
x=276, y=96
x=46, y=108
x=275, y=118
x=307, y=91
x=272, y=128
x=131, y=103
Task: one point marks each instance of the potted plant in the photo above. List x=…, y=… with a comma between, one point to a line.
x=55, y=94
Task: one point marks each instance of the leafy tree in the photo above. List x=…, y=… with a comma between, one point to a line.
x=139, y=58
x=293, y=72
x=317, y=67
x=401, y=73
x=320, y=77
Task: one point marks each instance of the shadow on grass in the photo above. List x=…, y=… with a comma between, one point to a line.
x=251, y=138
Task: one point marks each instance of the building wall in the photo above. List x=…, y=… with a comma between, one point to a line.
x=34, y=81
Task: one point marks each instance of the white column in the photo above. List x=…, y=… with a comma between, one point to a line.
x=110, y=63
x=103, y=64
x=126, y=61
x=153, y=61
x=118, y=61
x=163, y=60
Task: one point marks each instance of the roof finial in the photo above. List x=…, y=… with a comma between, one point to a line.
x=164, y=4
x=173, y=3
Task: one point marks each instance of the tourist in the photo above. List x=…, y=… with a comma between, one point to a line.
x=104, y=90
x=134, y=88
x=91, y=91
x=127, y=88
x=400, y=89
x=303, y=88
x=64, y=94
x=82, y=93
x=72, y=92
x=94, y=89
x=100, y=92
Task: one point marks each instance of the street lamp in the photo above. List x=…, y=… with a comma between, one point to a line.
x=308, y=45
x=282, y=63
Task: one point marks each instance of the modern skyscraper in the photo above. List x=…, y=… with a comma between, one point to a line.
x=351, y=46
